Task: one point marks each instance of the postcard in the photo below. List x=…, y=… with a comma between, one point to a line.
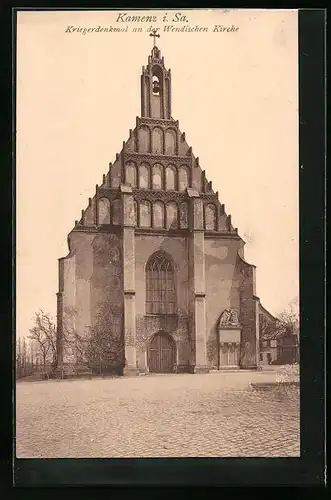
x=157, y=159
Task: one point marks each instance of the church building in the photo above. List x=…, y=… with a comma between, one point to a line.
x=157, y=254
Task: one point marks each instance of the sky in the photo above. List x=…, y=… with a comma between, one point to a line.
x=234, y=93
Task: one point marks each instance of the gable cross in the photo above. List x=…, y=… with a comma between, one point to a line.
x=154, y=34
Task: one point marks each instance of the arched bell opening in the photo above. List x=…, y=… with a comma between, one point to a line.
x=155, y=85
x=161, y=353
x=157, y=104
x=157, y=80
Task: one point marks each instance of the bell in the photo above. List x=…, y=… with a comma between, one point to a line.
x=156, y=87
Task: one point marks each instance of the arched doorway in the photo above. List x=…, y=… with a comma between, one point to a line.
x=161, y=353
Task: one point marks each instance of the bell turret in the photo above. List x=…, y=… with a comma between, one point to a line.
x=155, y=86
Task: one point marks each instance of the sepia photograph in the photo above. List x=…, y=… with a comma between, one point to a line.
x=157, y=234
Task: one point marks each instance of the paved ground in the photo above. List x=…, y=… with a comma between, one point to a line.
x=211, y=415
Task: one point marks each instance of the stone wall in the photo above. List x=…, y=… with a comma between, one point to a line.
x=90, y=285
x=249, y=315
x=222, y=288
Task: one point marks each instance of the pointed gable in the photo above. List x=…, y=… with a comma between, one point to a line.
x=158, y=163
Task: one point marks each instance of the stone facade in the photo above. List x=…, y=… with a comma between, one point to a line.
x=156, y=247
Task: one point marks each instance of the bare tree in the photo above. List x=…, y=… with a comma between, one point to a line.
x=288, y=320
x=74, y=344
x=18, y=358
x=104, y=345
x=24, y=361
x=268, y=328
x=43, y=334
x=287, y=323
x=288, y=333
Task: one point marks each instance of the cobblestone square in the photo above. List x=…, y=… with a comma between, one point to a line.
x=207, y=415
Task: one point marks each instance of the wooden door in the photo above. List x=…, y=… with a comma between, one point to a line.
x=229, y=354
x=224, y=359
x=161, y=354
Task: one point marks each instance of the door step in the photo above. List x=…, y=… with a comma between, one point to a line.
x=232, y=370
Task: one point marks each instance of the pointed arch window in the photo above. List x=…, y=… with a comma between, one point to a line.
x=183, y=180
x=157, y=177
x=171, y=178
x=145, y=214
x=144, y=176
x=116, y=212
x=157, y=140
x=170, y=142
x=158, y=214
x=210, y=217
x=144, y=139
x=131, y=173
x=183, y=215
x=172, y=215
x=160, y=285
x=104, y=211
